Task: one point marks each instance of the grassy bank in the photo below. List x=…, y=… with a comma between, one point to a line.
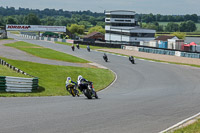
x=52, y=78
x=81, y=46
x=15, y=32
x=45, y=52
x=5, y=71
x=7, y=39
x=193, y=128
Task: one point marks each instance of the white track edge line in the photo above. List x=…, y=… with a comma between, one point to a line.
x=180, y=123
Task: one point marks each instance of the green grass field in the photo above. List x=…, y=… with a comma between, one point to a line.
x=7, y=39
x=193, y=128
x=5, y=71
x=82, y=46
x=52, y=78
x=45, y=52
x=15, y=32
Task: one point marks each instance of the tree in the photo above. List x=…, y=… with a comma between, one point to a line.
x=76, y=29
x=102, y=24
x=10, y=20
x=188, y=26
x=172, y=27
x=32, y=19
x=154, y=26
x=48, y=21
x=97, y=29
x=85, y=23
x=180, y=35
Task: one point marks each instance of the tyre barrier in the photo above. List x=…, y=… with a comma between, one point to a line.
x=17, y=84
x=157, y=51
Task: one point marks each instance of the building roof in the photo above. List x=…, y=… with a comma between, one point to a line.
x=164, y=38
x=92, y=34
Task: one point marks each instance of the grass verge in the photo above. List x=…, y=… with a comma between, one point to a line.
x=15, y=32
x=82, y=46
x=7, y=39
x=45, y=52
x=52, y=78
x=5, y=71
x=193, y=128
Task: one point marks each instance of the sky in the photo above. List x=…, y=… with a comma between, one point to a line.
x=164, y=7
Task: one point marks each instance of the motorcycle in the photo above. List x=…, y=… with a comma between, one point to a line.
x=77, y=45
x=73, y=48
x=105, y=57
x=73, y=91
x=88, y=48
x=131, y=59
x=89, y=91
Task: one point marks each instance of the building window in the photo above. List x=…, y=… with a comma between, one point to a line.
x=152, y=35
x=120, y=16
x=122, y=24
x=119, y=20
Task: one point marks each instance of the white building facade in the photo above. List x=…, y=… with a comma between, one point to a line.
x=121, y=26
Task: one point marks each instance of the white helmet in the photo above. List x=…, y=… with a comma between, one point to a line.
x=68, y=78
x=79, y=77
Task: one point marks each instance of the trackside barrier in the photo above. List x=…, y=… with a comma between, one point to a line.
x=17, y=84
x=190, y=55
x=169, y=52
x=48, y=38
x=156, y=51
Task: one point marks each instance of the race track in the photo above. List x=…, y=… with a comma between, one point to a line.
x=147, y=97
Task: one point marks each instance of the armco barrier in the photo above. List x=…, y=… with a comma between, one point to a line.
x=17, y=84
x=156, y=51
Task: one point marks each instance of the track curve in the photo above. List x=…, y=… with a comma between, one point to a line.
x=146, y=97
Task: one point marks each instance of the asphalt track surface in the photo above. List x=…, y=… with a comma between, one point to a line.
x=147, y=97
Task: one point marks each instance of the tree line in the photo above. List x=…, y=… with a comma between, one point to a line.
x=186, y=26
x=149, y=18
x=85, y=20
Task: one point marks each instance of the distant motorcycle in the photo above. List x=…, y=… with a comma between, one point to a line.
x=105, y=57
x=89, y=91
x=88, y=48
x=131, y=59
x=77, y=45
x=73, y=47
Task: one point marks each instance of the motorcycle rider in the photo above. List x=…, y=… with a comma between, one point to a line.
x=131, y=59
x=77, y=45
x=82, y=84
x=105, y=57
x=73, y=47
x=88, y=48
x=68, y=84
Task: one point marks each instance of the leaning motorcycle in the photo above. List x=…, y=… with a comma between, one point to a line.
x=105, y=58
x=89, y=91
x=73, y=48
x=88, y=48
x=73, y=91
x=132, y=60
